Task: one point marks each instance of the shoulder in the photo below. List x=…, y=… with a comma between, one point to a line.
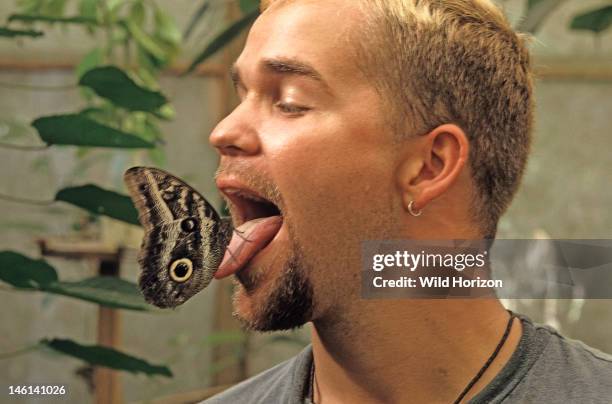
x=284, y=383
x=568, y=370
x=577, y=360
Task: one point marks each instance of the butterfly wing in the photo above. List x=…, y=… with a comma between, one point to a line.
x=184, y=240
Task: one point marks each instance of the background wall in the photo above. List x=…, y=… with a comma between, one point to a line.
x=566, y=194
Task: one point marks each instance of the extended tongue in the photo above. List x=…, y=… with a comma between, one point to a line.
x=253, y=236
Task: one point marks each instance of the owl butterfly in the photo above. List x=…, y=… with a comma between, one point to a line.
x=184, y=241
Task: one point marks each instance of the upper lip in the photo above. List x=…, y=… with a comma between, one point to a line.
x=248, y=203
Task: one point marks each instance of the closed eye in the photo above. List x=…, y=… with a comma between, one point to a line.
x=291, y=109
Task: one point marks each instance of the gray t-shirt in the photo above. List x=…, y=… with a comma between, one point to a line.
x=545, y=368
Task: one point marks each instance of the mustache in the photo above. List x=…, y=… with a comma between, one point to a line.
x=253, y=179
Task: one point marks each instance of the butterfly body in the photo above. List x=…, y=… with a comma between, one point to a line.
x=184, y=241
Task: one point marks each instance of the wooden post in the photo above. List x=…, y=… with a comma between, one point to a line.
x=107, y=385
x=106, y=381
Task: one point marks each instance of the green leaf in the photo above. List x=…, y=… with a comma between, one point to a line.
x=166, y=28
x=100, y=201
x=116, y=86
x=596, y=20
x=104, y=290
x=78, y=130
x=26, y=273
x=12, y=33
x=145, y=40
x=93, y=59
x=166, y=112
x=52, y=19
x=224, y=38
x=137, y=13
x=248, y=6
x=96, y=355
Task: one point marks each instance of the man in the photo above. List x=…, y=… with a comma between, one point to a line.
x=375, y=120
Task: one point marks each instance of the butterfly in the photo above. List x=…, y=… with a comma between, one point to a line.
x=184, y=241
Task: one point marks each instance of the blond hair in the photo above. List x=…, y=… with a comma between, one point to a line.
x=454, y=61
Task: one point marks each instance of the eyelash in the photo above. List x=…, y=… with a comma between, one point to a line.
x=291, y=109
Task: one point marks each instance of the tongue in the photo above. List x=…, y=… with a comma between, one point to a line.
x=253, y=236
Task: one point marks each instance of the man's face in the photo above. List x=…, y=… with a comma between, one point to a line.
x=309, y=136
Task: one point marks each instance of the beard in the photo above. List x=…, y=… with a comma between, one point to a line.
x=290, y=303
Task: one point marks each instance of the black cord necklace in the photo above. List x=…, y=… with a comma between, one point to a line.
x=467, y=388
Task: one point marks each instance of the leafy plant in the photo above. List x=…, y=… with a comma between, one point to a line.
x=123, y=109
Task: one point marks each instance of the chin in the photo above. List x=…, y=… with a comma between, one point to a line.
x=279, y=298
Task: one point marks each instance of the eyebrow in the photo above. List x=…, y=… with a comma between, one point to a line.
x=283, y=66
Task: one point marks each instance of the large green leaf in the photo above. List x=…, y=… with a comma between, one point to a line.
x=596, y=20
x=96, y=355
x=78, y=130
x=26, y=273
x=104, y=290
x=100, y=201
x=52, y=19
x=116, y=86
x=224, y=38
x=12, y=33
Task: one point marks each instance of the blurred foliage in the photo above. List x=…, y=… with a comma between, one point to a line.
x=100, y=201
x=119, y=82
x=225, y=37
x=104, y=356
x=25, y=273
x=124, y=106
x=596, y=21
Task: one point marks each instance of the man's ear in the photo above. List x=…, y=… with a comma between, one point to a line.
x=439, y=158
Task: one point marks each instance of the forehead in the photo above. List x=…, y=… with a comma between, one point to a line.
x=320, y=33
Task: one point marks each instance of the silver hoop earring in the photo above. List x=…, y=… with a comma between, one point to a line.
x=411, y=210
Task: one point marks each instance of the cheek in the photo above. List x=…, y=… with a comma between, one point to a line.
x=335, y=180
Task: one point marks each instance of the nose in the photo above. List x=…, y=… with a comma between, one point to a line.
x=236, y=134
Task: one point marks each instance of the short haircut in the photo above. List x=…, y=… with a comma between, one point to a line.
x=454, y=61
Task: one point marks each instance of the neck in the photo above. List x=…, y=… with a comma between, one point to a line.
x=396, y=351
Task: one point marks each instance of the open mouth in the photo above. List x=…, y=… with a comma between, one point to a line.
x=249, y=206
x=257, y=221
